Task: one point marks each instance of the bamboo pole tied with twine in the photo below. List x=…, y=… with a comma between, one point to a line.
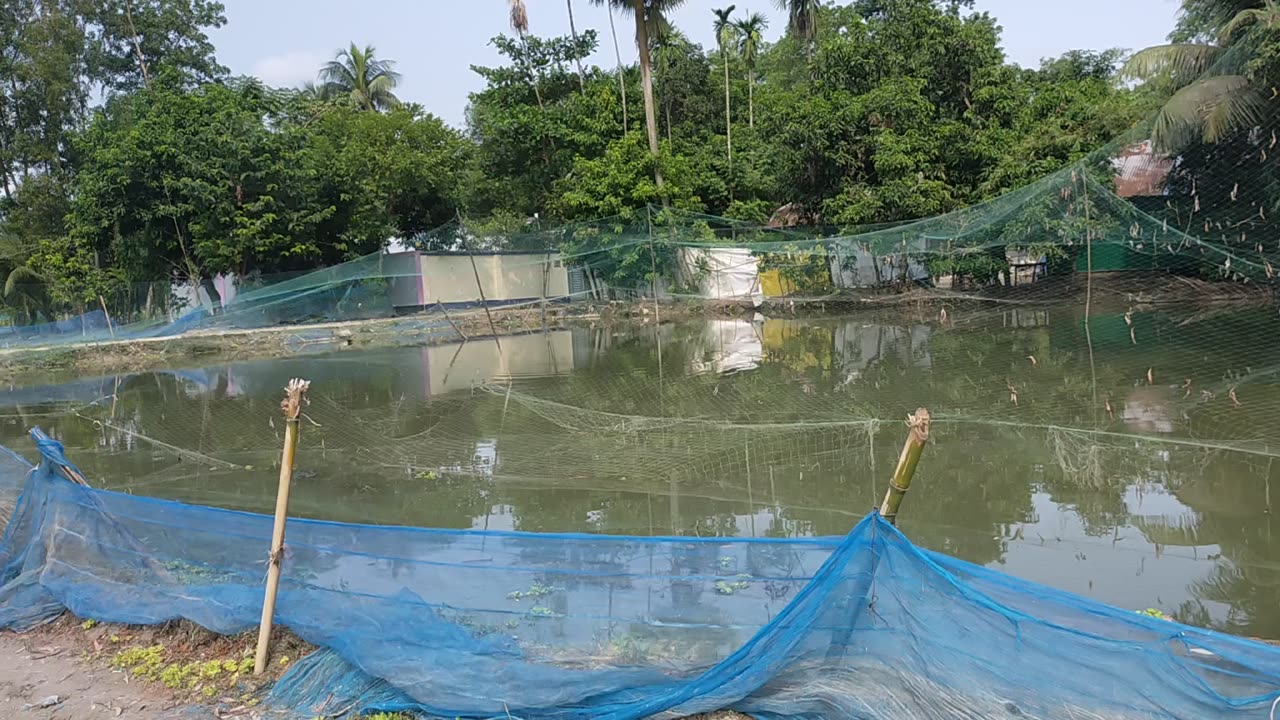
x=294, y=395
x=917, y=436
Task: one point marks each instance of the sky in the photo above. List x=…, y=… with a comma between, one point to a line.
x=435, y=42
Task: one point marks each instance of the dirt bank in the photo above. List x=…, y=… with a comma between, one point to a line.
x=1111, y=292
x=145, y=673
x=203, y=348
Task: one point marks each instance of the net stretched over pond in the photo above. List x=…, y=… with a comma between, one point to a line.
x=475, y=624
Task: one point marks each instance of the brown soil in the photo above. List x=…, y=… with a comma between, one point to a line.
x=102, y=671
x=108, y=671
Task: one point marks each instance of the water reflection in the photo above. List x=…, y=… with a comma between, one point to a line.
x=1123, y=470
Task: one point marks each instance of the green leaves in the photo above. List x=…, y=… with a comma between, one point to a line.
x=222, y=179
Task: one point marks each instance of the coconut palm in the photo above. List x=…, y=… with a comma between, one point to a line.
x=750, y=38
x=646, y=14
x=802, y=18
x=315, y=93
x=520, y=23
x=1212, y=96
x=361, y=76
x=25, y=291
x=725, y=29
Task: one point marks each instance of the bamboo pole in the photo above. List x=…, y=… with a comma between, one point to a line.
x=108, y=314
x=918, y=423
x=456, y=329
x=484, y=302
x=292, y=406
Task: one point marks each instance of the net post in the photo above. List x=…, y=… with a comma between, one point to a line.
x=292, y=406
x=917, y=436
x=107, y=313
x=456, y=329
x=484, y=302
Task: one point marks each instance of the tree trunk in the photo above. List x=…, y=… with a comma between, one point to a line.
x=622, y=80
x=582, y=77
x=751, y=101
x=215, y=298
x=646, y=81
x=728, y=123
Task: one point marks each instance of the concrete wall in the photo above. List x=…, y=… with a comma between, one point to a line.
x=450, y=279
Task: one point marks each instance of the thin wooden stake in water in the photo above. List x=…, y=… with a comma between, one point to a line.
x=918, y=424
x=485, y=302
x=292, y=406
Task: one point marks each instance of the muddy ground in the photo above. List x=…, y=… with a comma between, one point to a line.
x=85, y=670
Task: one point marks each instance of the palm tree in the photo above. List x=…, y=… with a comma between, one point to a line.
x=724, y=28
x=622, y=78
x=802, y=19
x=25, y=291
x=364, y=78
x=520, y=23
x=573, y=30
x=750, y=38
x=1213, y=97
x=646, y=12
x=315, y=93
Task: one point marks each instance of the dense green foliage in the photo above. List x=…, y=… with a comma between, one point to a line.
x=861, y=112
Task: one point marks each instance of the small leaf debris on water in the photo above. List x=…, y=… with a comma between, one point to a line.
x=1186, y=386
x=1032, y=358
x=51, y=701
x=1151, y=378
x=1110, y=413
x=1013, y=393
x=1234, y=400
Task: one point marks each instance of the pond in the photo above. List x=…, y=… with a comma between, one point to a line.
x=1130, y=461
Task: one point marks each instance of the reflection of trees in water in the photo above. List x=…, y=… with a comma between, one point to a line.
x=603, y=454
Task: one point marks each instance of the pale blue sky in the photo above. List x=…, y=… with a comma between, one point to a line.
x=435, y=42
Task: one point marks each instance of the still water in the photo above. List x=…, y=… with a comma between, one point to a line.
x=1131, y=462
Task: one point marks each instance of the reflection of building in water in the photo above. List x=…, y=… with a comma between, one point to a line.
x=860, y=345
x=727, y=346
x=446, y=368
x=1025, y=318
x=1146, y=409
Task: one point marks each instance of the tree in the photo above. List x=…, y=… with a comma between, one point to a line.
x=57, y=54
x=750, y=38
x=520, y=23
x=802, y=20
x=1209, y=73
x=725, y=29
x=251, y=191
x=359, y=75
x=131, y=40
x=645, y=13
x=622, y=78
x=522, y=147
x=573, y=31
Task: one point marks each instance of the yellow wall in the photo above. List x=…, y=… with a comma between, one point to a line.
x=450, y=279
x=774, y=285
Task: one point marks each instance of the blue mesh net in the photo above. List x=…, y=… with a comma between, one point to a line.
x=477, y=624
